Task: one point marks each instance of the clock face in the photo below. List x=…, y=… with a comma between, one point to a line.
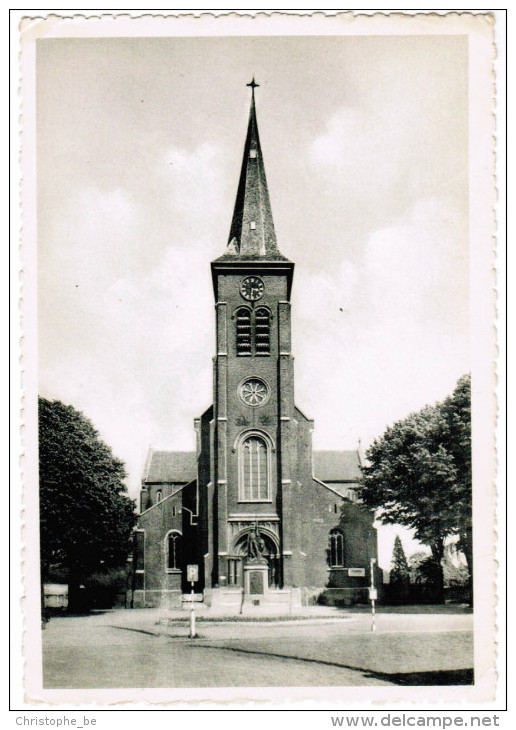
x=252, y=288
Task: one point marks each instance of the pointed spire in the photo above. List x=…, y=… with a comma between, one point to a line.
x=252, y=228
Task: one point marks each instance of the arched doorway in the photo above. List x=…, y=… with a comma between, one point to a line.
x=270, y=553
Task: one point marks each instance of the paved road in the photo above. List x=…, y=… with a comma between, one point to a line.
x=140, y=649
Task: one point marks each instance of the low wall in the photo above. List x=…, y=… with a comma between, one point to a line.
x=156, y=599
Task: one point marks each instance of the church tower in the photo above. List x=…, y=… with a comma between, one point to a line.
x=264, y=520
x=254, y=412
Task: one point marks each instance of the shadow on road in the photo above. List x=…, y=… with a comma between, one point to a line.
x=449, y=677
x=451, y=609
x=137, y=631
x=438, y=677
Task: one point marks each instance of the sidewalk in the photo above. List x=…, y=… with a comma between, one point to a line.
x=349, y=621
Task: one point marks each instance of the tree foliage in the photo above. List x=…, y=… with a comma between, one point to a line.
x=86, y=515
x=454, y=571
x=419, y=473
x=414, y=563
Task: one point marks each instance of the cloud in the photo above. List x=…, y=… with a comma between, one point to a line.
x=335, y=291
x=418, y=268
x=194, y=184
x=358, y=146
x=377, y=334
x=125, y=307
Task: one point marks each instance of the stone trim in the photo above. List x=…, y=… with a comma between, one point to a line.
x=237, y=529
x=340, y=568
x=244, y=517
x=323, y=484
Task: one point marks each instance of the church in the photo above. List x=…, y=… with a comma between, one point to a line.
x=253, y=516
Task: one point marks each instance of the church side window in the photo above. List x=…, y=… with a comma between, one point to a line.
x=139, y=560
x=336, y=549
x=243, y=332
x=254, y=470
x=262, y=343
x=174, y=550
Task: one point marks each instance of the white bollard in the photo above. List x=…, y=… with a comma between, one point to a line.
x=373, y=595
x=192, y=616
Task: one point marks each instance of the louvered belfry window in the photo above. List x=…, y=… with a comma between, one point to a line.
x=262, y=344
x=243, y=332
x=253, y=335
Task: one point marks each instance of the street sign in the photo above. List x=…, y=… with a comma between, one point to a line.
x=373, y=594
x=192, y=573
x=356, y=572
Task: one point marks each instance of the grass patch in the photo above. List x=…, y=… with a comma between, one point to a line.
x=245, y=619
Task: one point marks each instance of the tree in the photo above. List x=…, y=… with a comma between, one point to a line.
x=399, y=575
x=86, y=516
x=419, y=474
x=399, y=570
x=456, y=411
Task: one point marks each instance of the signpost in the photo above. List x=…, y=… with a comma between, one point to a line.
x=192, y=576
x=373, y=595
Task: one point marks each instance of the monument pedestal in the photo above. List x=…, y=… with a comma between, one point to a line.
x=256, y=582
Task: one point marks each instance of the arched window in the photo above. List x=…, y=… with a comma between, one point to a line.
x=159, y=495
x=262, y=343
x=254, y=461
x=243, y=332
x=336, y=549
x=174, y=550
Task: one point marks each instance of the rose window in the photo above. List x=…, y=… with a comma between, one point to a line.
x=254, y=392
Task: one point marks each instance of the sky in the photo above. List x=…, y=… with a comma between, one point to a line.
x=139, y=147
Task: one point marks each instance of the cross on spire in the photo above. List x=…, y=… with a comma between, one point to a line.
x=253, y=86
x=252, y=229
